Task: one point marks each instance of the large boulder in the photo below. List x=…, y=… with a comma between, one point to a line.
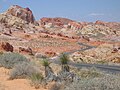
x=27, y=50
x=5, y=46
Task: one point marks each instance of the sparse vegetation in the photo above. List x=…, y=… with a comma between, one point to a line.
x=91, y=79
x=36, y=79
x=9, y=60
x=89, y=73
x=106, y=82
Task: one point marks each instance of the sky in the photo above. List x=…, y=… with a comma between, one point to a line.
x=79, y=10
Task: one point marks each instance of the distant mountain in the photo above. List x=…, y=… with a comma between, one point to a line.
x=17, y=18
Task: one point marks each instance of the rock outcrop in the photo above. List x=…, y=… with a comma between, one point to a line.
x=23, y=13
x=100, y=23
x=5, y=46
x=26, y=50
x=50, y=53
x=75, y=25
x=104, y=53
x=58, y=22
x=96, y=30
x=17, y=18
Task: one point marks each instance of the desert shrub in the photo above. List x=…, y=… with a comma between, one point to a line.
x=64, y=59
x=45, y=62
x=36, y=79
x=9, y=60
x=24, y=70
x=107, y=82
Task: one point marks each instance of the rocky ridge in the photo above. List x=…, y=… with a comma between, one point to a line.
x=19, y=18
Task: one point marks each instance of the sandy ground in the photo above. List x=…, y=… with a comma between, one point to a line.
x=17, y=84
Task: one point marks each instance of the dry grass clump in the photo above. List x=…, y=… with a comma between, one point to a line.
x=24, y=70
x=37, y=80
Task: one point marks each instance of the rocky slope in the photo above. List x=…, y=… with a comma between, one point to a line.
x=72, y=28
x=102, y=54
x=18, y=20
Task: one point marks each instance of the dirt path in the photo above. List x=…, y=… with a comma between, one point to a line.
x=17, y=84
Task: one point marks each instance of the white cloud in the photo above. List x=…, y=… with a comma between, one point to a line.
x=96, y=14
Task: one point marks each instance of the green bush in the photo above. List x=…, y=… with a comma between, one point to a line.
x=45, y=63
x=23, y=70
x=9, y=60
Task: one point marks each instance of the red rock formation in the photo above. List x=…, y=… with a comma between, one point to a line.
x=113, y=25
x=23, y=13
x=84, y=23
x=114, y=50
x=5, y=46
x=75, y=25
x=100, y=23
x=55, y=21
x=50, y=53
x=25, y=50
x=86, y=38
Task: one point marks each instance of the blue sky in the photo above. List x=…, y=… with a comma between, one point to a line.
x=80, y=10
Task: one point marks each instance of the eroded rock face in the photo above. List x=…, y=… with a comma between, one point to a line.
x=50, y=53
x=75, y=25
x=60, y=22
x=25, y=50
x=100, y=23
x=23, y=13
x=5, y=46
x=96, y=30
x=102, y=54
x=17, y=18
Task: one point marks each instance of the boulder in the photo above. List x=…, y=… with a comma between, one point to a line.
x=25, y=50
x=50, y=53
x=5, y=46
